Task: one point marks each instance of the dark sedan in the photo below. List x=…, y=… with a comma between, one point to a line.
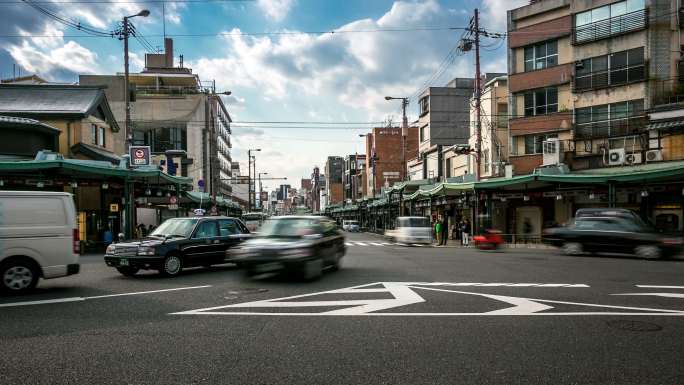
x=302, y=244
x=178, y=243
x=612, y=235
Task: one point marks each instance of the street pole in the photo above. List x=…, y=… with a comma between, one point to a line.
x=249, y=181
x=478, y=121
x=404, y=134
x=127, y=96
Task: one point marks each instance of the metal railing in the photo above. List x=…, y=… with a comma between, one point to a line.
x=610, y=128
x=166, y=90
x=610, y=27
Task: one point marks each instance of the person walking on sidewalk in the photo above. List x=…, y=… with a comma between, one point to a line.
x=465, y=233
x=438, y=231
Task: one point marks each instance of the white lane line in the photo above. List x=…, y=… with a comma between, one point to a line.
x=349, y=244
x=430, y=314
x=376, y=244
x=666, y=295
x=659, y=287
x=387, y=244
x=417, y=245
x=148, y=292
x=360, y=244
x=79, y=299
x=58, y=300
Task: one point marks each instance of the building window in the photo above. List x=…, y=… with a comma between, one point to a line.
x=448, y=168
x=610, y=70
x=612, y=19
x=540, y=56
x=422, y=133
x=101, y=137
x=161, y=139
x=608, y=120
x=93, y=134
x=424, y=105
x=534, y=143
x=502, y=115
x=541, y=102
x=486, y=161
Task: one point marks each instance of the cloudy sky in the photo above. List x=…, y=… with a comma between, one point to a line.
x=275, y=59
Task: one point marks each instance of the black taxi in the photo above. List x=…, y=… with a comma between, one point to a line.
x=178, y=243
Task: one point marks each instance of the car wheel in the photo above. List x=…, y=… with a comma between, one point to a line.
x=572, y=248
x=172, y=266
x=311, y=270
x=127, y=271
x=648, y=252
x=18, y=276
x=337, y=263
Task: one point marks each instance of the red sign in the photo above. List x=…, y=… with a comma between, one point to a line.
x=173, y=200
x=140, y=156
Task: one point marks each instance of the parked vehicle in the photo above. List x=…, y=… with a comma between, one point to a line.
x=301, y=244
x=178, y=243
x=351, y=226
x=39, y=238
x=612, y=234
x=253, y=220
x=489, y=240
x=411, y=230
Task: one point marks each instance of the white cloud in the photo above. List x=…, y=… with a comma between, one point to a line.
x=70, y=57
x=495, y=16
x=275, y=10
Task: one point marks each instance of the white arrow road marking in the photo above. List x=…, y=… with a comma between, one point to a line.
x=659, y=287
x=78, y=299
x=667, y=295
x=403, y=294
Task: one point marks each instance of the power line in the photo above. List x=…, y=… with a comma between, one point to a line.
x=127, y=1
x=274, y=33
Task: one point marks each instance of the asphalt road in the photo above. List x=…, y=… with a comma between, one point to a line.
x=396, y=315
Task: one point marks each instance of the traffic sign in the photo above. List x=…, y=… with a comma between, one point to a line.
x=200, y=184
x=114, y=208
x=173, y=200
x=139, y=156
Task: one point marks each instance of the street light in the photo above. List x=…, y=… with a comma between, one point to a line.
x=404, y=132
x=249, y=177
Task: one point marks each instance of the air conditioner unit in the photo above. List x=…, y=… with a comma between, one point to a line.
x=616, y=156
x=654, y=156
x=551, y=152
x=633, y=158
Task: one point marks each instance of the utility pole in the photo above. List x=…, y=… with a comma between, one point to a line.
x=478, y=122
x=123, y=35
x=404, y=134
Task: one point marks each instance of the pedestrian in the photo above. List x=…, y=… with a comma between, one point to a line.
x=460, y=230
x=466, y=233
x=527, y=229
x=445, y=230
x=438, y=231
x=150, y=228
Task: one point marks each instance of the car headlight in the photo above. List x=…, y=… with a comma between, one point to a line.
x=145, y=250
x=295, y=253
x=111, y=249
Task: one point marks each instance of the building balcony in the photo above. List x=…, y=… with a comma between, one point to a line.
x=611, y=128
x=614, y=26
x=546, y=30
x=540, y=124
x=166, y=90
x=547, y=77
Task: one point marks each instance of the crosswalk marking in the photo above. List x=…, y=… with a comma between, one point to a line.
x=349, y=244
x=376, y=244
x=380, y=244
x=360, y=244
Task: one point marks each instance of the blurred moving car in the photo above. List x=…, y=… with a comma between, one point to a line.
x=411, y=230
x=301, y=244
x=253, y=220
x=612, y=234
x=351, y=226
x=40, y=238
x=178, y=243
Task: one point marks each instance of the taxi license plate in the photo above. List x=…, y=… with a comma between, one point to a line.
x=267, y=267
x=123, y=262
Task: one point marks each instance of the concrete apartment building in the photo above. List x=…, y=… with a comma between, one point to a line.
x=385, y=166
x=583, y=76
x=444, y=120
x=186, y=126
x=334, y=174
x=354, y=177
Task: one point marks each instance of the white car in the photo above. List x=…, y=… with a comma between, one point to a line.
x=351, y=226
x=411, y=230
x=38, y=238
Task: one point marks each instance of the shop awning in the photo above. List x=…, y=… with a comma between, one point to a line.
x=205, y=198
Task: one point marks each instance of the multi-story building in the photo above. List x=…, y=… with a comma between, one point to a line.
x=444, y=120
x=583, y=74
x=354, y=177
x=334, y=174
x=186, y=125
x=386, y=163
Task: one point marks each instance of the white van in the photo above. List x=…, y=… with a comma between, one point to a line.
x=38, y=238
x=411, y=230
